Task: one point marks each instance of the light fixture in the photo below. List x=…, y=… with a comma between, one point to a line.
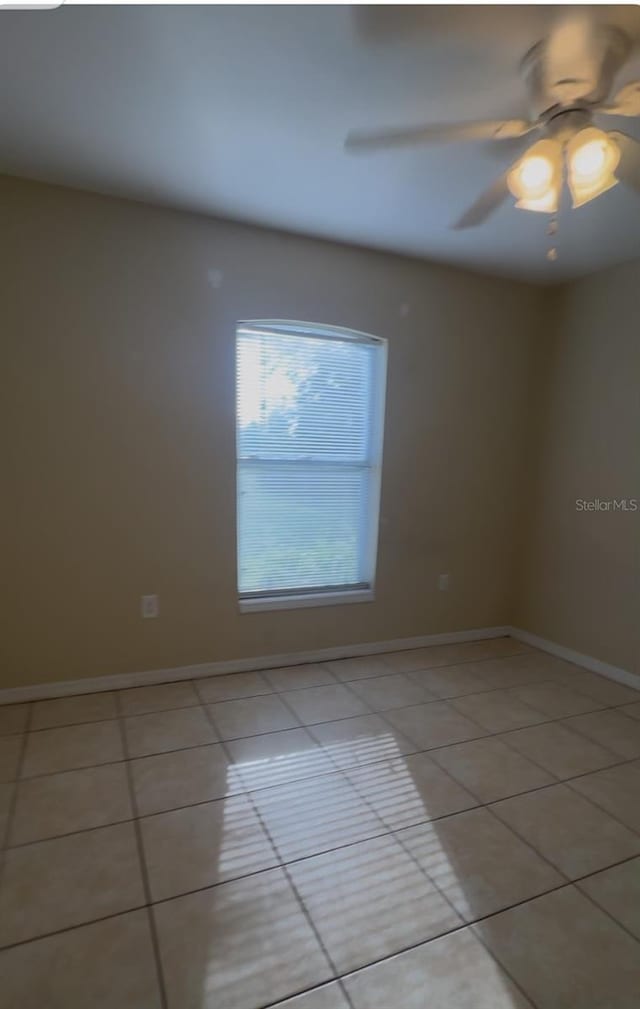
x=592, y=158
x=536, y=179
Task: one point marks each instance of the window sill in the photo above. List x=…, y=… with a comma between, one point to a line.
x=304, y=601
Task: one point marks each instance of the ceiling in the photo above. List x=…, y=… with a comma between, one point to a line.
x=241, y=111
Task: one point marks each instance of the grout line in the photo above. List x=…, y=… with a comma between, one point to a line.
x=463, y=924
x=394, y=834
x=583, y=774
x=503, y=967
x=143, y=864
x=468, y=924
x=308, y=991
x=344, y=772
x=521, y=836
x=284, y=869
x=601, y=907
x=71, y=725
x=69, y=833
x=299, y=899
x=541, y=767
x=263, y=671
x=72, y=928
x=13, y=802
x=493, y=914
x=598, y=805
x=70, y=770
x=458, y=928
x=294, y=714
x=601, y=706
x=486, y=734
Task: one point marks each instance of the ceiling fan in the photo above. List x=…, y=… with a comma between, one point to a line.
x=569, y=76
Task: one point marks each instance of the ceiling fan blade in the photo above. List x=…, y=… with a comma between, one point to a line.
x=625, y=103
x=628, y=169
x=438, y=133
x=486, y=204
x=572, y=56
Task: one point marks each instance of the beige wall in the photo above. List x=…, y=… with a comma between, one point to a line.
x=118, y=368
x=580, y=580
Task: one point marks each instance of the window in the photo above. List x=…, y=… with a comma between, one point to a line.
x=310, y=409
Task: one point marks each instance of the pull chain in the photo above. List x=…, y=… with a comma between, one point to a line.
x=552, y=231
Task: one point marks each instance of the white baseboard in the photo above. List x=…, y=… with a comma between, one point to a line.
x=120, y=681
x=624, y=676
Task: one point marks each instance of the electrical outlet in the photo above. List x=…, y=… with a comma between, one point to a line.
x=443, y=583
x=148, y=607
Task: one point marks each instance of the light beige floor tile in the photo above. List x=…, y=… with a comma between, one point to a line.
x=277, y=757
x=73, y=710
x=142, y=700
x=409, y=790
x=6, y=798
x=312, y=816
x=106, y=965
x=494, y=648
x=552, y=666
x=415, y=658
x=451, y=681
x=240, y=945
x=617, y=890
x=554, y=700
x=435, y=724
x=10, y=750
x=55, y=884
x=13, y=718
x=518, y=670
x=569, y=831
x=329, y=996
x=453, y=972
x=227, y=688
x=617, y=790
x=359, y=667
x=565, y=953
x=633, y=710
x=434, y=656
x=298, y=677
x=396, y=690
x=249, y=716
x=325, y=704
x=478, y=863
x=470, y=652
x=170, y=780
x=497, y=710
x=608, y=692
x=613, y=730
x=72, y=800
x=370, y=900
x=361, y=740
x=187, y=849
x=489, y=769
x=72, y=746
x=559, y=750
x=167, y=730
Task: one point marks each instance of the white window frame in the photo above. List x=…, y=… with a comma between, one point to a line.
x=338, y=595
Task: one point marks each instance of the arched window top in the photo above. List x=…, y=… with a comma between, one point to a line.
x=309, y=329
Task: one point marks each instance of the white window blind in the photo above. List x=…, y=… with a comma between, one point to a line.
x=310, y=406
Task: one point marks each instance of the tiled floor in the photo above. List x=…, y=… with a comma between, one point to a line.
x=454, y=827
